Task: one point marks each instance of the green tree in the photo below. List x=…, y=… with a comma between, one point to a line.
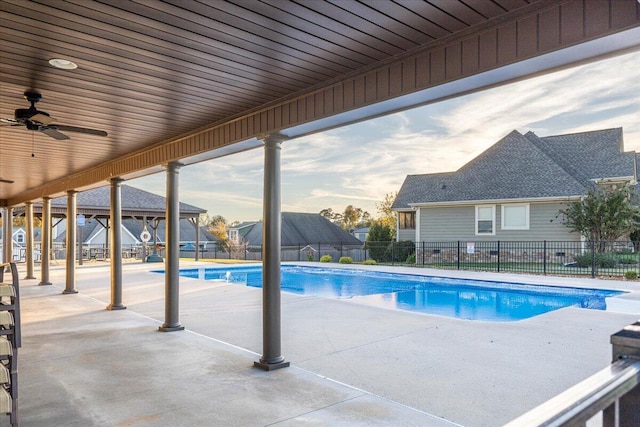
x=604, y=215
x=386, y=216
x=378, y=240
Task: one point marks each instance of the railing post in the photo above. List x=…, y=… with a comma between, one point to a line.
x=625, y=344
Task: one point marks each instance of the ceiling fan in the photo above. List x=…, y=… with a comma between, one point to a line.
x=41, y=121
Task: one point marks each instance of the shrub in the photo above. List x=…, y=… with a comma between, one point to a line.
x=630, y=275
x=411, y=259
x=630, y=258
x=326, y=258
x=400, y=251
x=602, y=260
x=345, y=260
x=310, y=257
x=369, y=262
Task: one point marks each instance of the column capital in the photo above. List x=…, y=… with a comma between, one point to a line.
x=46, y=198
x=70, y=192
x=274, y=137
x=116, y=180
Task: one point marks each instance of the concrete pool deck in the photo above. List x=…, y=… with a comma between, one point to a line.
x=351, y=364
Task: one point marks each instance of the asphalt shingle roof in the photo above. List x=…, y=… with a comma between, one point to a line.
x=526, y=166
x=304, y=229
x=131, y=198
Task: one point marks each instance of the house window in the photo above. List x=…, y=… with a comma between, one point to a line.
x=515, y=217
x=486, y=219
x=407, y=220
x=233, y=236
x=19, y=238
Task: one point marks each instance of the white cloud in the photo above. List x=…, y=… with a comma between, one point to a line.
x=359, y=164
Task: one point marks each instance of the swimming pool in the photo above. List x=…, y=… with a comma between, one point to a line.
x=460, y=298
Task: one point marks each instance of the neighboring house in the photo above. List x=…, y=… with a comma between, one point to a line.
x=514, y=190
x=237, y=232
x=298, y=229
x=361, y=233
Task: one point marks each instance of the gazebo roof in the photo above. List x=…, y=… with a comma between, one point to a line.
x=134, y=203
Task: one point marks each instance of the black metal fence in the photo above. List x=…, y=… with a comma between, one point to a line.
x=572, y=258
x=617, y=258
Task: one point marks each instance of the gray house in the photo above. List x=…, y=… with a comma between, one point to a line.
x=514, y=190
x=298, y=229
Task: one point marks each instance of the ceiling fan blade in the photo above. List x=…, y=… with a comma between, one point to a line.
x=41, y=118
x=79, y=130
x=11, y=122
x=8, y=181
x=54, y=133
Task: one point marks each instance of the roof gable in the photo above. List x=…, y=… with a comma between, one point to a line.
x=526, y=167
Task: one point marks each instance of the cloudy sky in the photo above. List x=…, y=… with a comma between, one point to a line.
x=361, y=163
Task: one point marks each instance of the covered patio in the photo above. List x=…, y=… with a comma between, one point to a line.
x=351, y=364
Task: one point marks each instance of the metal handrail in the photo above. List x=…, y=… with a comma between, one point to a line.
x=581, y=402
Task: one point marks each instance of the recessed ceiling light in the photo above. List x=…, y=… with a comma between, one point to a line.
x=63, y=63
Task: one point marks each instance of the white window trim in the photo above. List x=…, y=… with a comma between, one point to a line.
x=512, y=205
x=493, y=219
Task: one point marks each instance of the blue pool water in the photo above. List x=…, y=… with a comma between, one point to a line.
x=465, y=299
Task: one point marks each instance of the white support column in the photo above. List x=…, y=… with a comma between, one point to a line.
x=172, y=252
x=115, y=252
x=29, y=241
x=70, y=286
x=271, y=246
x=45, y=242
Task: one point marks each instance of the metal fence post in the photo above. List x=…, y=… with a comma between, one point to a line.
x=498, y=256
x=458, y=257
x=423, y=249
x=393, y=256
x=593, y=259
x=544, y=259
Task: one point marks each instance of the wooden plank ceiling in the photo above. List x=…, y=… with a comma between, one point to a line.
x=149, y=71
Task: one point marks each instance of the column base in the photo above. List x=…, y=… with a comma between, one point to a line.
x=270, y=366
x=69, y=291
x=171, y=328
x=29, y=277
x=116, y=307
x=45, y=284
x=154, y=258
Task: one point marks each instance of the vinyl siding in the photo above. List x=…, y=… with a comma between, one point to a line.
x=458, y=223
x=407, y=234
